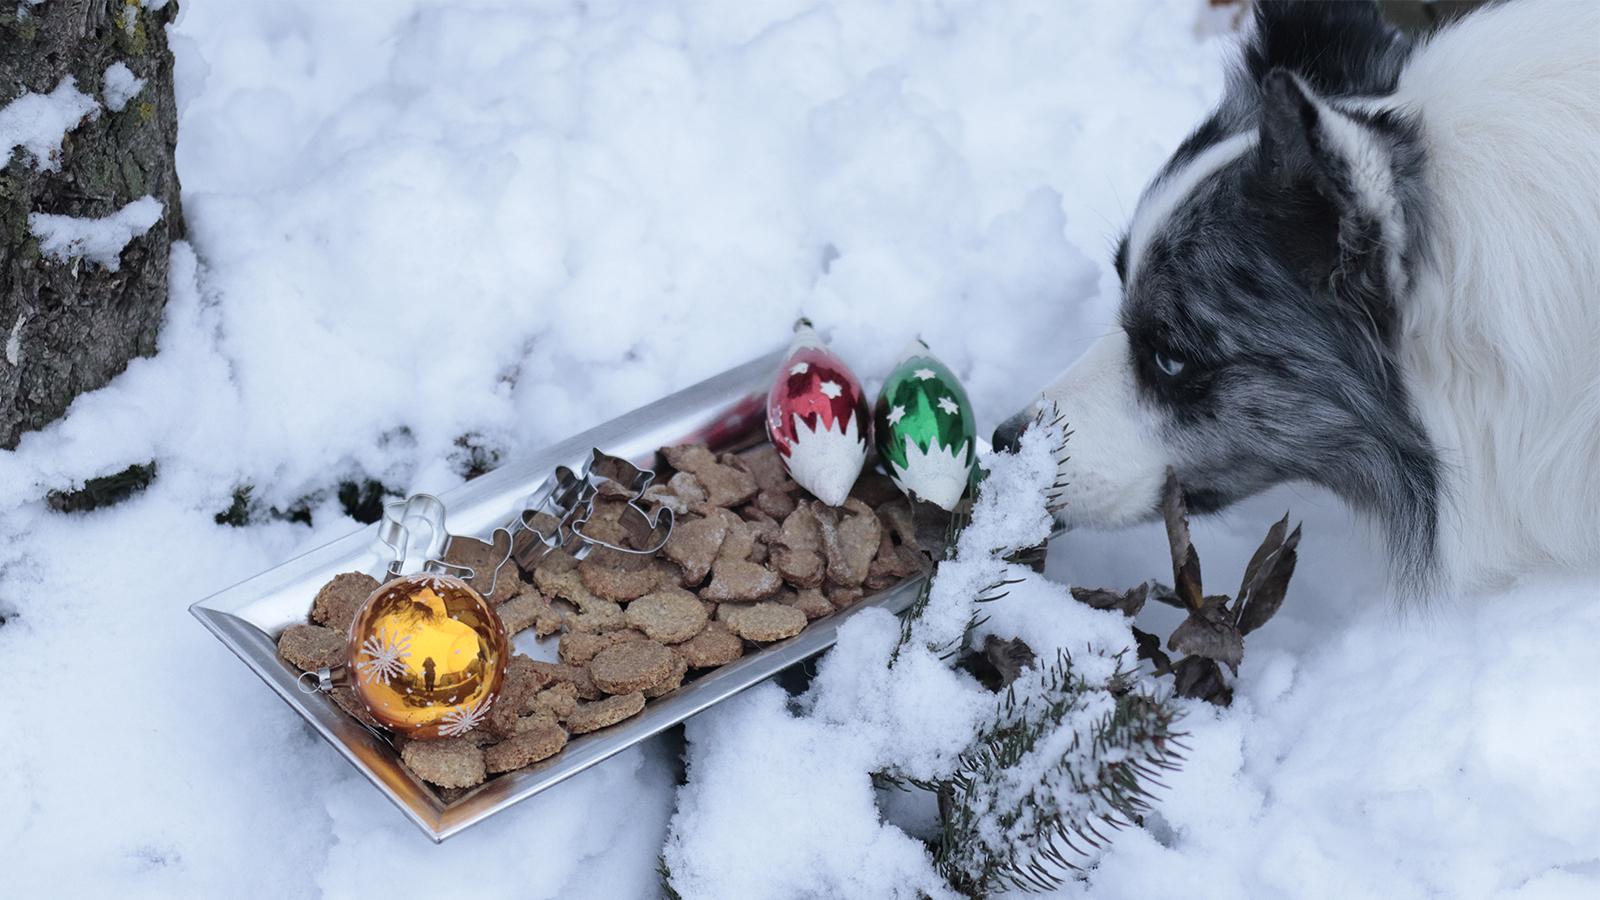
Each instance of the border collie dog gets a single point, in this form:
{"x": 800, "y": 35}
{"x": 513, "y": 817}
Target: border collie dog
{"x": 1376, "y": 268}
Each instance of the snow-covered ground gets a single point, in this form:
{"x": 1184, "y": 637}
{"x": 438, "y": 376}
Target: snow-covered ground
{"x": 413, "y": 221}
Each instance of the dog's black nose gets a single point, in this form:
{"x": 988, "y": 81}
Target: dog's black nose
{"x": 1008, "y": 436}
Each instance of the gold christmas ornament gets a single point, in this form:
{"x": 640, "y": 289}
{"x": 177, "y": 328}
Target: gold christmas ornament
{"x": 427, "y": 654}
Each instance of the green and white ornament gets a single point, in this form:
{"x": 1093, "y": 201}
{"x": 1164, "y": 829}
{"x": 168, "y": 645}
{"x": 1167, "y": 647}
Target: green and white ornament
{"x": 925, "y": 430}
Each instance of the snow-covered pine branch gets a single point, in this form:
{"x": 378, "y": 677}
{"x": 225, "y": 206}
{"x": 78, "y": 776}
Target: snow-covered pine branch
{"x": 1067, "y": 759}
{"x": 1071, "y": 751}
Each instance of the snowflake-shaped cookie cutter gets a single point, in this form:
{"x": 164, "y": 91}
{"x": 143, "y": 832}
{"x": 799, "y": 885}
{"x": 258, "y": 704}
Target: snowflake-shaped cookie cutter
{"x": 556, "y": 513}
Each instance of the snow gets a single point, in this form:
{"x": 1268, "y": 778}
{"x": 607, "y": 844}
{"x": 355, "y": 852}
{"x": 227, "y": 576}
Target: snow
{"x": 418, "y": 220}
{"x": 121, "y": 85}
{"x": 97, "y": 240}
{"x": 863, "y": 715}
{"x": 38, "y": 122}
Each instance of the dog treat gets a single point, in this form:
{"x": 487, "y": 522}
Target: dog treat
{"x": 674, "y": 679}
{"x": 874, "y": 489}
{"x": 668, "y": 615}
{"x": 751, "y": 557}
{"x": 312, "y": 647}
{"x": 797, "y": 551}
{"x": 849, "y": 541}
{"x": 691, "y": 458}
{"x": 449, "y": 763}
{"x": 556, "y": 701}
{"x": 529, "y": 609}
{"x": 590, "y": 613}
{"x": 522, "y": 682}
{"x": 726, "y": 486}
{"x": 483, "y": 558}
{"x": 617, "y": 576}
{"x": 895, "y": 560}
{"x": 687, "y": 487}
{"x": 776, "y": 504}
{"x": 662, "y": 495}
{"x": 606, "y": 521}
{"x": 766, "y": 466}
{"x": 339, "y": 600}
{"x": 542, "y": 740}
{"x": 809, "y": 601}
{"x": 694, "y": 545}
{"x": 764, "y": 528}
{"x": 631, "y": 666}
{"x": 346, "y": 699}
{"x": 539, "y": 674}
{"x": 714, "y": 646}
{"x": 740, "y": 539}
{"x": 577, "y": 676}
{"x": 842, "y": 596}
{"x": 589, "y": 717}
{"x": 741, "y": 581}
{"x": 762, "y": 622}
{"x": 577, "y": 648}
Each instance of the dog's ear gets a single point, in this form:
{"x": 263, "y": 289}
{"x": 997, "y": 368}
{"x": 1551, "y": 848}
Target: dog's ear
{"x": 1345, "y": 47}
{"x": 1307, "y": 145}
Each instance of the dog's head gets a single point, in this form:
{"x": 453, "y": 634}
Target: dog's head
{"x": 1261, "y": 276}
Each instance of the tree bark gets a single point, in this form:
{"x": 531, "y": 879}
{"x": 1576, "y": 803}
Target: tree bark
{"x": 71, "y": 325}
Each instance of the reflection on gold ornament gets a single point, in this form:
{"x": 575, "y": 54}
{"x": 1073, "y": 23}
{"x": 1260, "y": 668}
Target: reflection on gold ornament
{"x": 427, "y": 654}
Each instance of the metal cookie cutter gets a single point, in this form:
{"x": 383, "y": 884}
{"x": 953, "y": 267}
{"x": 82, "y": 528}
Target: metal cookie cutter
{"x": 556, "y": 513}
{"x": 402, "y": 528}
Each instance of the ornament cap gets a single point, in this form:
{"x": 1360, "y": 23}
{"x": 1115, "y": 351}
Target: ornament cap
{"x": 805, "y": 336}
{"x": 917, "y": 347}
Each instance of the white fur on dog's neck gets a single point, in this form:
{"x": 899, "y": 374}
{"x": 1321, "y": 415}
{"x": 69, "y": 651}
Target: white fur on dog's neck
{"x": 1500, "y": 335}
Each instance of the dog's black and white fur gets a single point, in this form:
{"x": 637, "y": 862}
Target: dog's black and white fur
{"x": 1376, "y": 267}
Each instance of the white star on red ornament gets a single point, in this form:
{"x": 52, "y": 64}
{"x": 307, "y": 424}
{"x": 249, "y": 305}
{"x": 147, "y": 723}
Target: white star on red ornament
{"x": 830, "y": 389}
{"x": 896, "y": 414}
{"x": 799, "y": 368}
{"x": 948, "y": 405}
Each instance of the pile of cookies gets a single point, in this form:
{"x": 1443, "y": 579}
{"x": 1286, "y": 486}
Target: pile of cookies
{"x": 752, "y": 558}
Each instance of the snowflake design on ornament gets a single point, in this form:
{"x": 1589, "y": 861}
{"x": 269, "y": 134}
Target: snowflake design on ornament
{"x": 830, "y": 389}
{"x": 949, "y": 405}
{"x": 434, "y": 582}
{"x": 385, "y": 655}
{"x": 923, "y": 374}
{"x": 799, "y": 368}
{"x": 457, "y": 722}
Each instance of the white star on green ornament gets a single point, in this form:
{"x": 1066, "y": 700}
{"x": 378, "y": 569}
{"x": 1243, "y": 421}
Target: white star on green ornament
{"x": 923, "y": 374}
{"x": 896, "y": 414}
{"x": 948, "y": 405}
{"x": 830, "y": 389}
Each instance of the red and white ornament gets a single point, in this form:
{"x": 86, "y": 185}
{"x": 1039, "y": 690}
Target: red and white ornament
{"x": 817, "y": 418}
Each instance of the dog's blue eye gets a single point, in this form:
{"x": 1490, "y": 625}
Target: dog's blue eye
{"x": 1170, "y": 366}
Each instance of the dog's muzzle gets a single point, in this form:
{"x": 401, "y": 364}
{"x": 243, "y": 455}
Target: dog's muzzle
{"x": 1008, "y": 436}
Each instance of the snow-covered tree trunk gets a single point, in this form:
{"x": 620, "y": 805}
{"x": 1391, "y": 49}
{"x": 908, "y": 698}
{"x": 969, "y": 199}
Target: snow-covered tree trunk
{"x": 88, "y": 197}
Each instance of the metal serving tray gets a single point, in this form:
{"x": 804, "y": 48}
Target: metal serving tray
{"x": 725, "y": 411}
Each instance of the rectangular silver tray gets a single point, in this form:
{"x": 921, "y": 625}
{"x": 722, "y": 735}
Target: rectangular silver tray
{"x": 725, "y": 411}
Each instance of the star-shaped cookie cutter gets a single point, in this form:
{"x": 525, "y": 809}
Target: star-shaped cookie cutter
{"x": 556, "y": 513}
